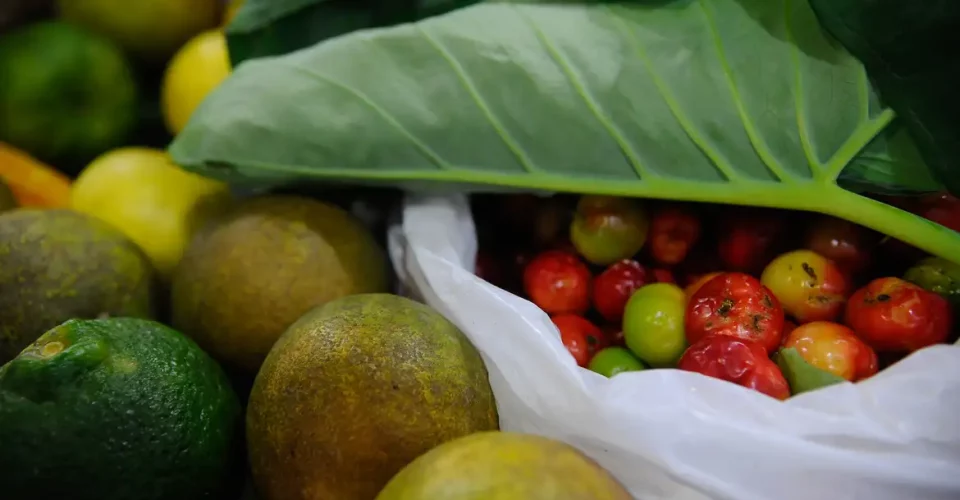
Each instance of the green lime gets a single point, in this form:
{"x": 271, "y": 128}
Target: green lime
{"x": 614, "y": 360}
{"x": 653, "y": 324}
{"x": 67, "y": 94}
{"x": 117, "y": 408}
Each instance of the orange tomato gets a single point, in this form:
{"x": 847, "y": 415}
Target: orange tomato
{"x": 34, "y": 184}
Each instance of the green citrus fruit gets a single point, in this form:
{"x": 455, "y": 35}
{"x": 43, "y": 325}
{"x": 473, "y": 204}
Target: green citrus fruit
{"x": 66, "y": 94}
{"x": 114, "y": 409}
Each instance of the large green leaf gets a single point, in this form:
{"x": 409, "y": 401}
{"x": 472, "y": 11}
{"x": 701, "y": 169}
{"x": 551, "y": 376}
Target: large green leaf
{"x": 274, "y": 27}
{"x": 735, "y": 101}
{"x": 910, "y": 51}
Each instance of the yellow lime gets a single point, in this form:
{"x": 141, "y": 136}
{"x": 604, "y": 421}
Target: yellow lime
{"x": 154, "y": 202}
{"x": 149, "y": 29}
{"x": 193, "y": 73}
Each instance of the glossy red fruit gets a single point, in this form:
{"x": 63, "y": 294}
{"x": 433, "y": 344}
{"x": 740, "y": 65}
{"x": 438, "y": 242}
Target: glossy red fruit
{"x": 736, "y": 360}
{"x": 834, "y": 348}
{"x": 747, "y": 239}
{"x": 848, "y": 245}
{"x": 582, "y": 338}
{"x": 674, "y": 230}
{"x": 891, "y": 314}
{"x": 558, "y": 282}
{"x": 661, "y": 275}
{"x": 613, "y": 287}
{"x": 735, "y": 305}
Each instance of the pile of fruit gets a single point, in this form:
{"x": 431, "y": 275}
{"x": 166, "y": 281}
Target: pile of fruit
{"x": 778, "y": 301}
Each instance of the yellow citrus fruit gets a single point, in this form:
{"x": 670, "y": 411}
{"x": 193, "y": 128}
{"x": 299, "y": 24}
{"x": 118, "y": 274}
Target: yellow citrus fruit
{"x": 150, "y": 29}
{"x": 154, "y": 202}
{"x": 198, "y": 68}
{"x": 232, "y": 8}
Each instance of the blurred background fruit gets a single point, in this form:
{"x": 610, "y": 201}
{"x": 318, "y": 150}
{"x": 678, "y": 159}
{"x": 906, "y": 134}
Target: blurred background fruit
{"x": 34, "y": 184}
{"x": 151, "y": 30}
{"x": 195, "y": 70}
{"x": 67, "y": 94}
{"x": 57, "y": 265}
{"x": 155, "y": 203}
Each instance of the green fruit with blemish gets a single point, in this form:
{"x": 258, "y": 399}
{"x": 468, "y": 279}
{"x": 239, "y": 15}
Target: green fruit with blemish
{"x": 57, "y": 265}
{"x": 117, "y": 409}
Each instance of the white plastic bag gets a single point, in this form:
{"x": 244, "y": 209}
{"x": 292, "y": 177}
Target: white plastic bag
{"x": 679, "y": 435}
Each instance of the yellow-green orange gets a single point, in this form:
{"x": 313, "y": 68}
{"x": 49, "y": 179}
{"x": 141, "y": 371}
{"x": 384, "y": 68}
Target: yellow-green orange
{"x": 117, "y": 409}
{"x": 357, "y": 389}
{"x": 57, "y": 265}
{"x": 154, "y": 202}
{"x": 248, "y": 276}
{"x": 504, "y": 466}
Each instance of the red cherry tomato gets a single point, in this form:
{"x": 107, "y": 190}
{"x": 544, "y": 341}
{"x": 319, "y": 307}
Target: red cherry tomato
{"x": 661, "y": 275}
{"x": 673, "y": 232}
{"x": 834, "y": 348}
{"x": 747, "y": 239}
{"x": 891, "y": 314}
{"x": 736, "y": 360}
{"x": 735, "y": 305}
{"x": 581, "y": 337}
{"x": 848, "y": 245}
{"x": 613, "y": 287}
{"x": 558, "y": 282}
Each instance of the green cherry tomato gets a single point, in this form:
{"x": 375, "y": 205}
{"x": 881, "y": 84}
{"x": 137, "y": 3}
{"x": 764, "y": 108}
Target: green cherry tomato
{"x": 614, "y": 360}
{"x": 653, "y": 324}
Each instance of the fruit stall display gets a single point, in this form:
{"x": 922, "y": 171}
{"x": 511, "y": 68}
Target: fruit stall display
{"x": 289, "y": 249}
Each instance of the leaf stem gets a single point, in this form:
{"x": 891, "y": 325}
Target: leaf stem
{"x": 852, "y": 147}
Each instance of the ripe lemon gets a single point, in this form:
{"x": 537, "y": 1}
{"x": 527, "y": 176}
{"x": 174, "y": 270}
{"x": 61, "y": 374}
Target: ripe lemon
{"x": 154, "y": 202}
{"x": 194, "y": 72}
{"x": 150, "y": 29}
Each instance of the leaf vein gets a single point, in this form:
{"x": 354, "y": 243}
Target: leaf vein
{"x": 799, "y": 109}
{"x": 387, "y": 117}
{"x": 588, "y": 100}
{"x": 759, "y": 145}
{"x": 729, "y": 172}
{"x": 481, "y": 103}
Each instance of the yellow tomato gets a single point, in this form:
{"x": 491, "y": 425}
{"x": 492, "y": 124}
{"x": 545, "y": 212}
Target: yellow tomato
{"x": 154, "y": 202}
{"x": 809, "y": 286}
{"x": 198, "y": 68}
